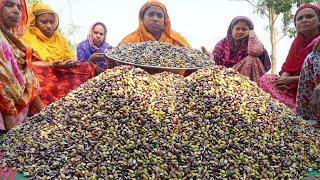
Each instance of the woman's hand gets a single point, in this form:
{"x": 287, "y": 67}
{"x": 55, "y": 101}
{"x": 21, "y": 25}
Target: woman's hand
{"x": 204, "y": 51}
{"x": 99, "y": 70}
{"x": 95, "y": 57}
{"x": 38, "y": 103}
{"x": 251, "y": 33}
{"x": 282, "y": 82}
{"x": 42, "y": 63}
{"x": 72, "y": 63}
{"x": 57, "y": 64}
{"x": 65, "y": 64}
{"x": 9, "y": 121}
{"x": 315, "y": 101}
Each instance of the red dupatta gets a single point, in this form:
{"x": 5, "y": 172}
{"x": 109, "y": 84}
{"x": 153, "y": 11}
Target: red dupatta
{"x": 298, "y": 50}
{"x": 297, "y": 54}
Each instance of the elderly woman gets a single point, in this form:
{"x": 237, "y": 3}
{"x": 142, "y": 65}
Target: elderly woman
{"x": 92, "y": 48}
{"x": 154, "y": 25}
{"x": 42, "y": 35}
{"x": 284, "y": 87}
{"x": 242, "y": 50}
{"x": 18, "y": 84}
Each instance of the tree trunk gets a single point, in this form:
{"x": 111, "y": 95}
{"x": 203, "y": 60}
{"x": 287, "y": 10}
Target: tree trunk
{"x": 273, "y": 40}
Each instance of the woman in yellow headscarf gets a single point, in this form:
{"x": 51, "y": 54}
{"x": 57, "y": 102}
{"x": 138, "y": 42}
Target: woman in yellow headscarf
{"x": 54, "y": 62}
{"x": 42, "y": 35}
{"x": 154, "y": 25}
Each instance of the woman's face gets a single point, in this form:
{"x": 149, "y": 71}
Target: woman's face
{"x": 11, "y": 13}
{"x": 240, "y": 31}
{"x": 153, "y": 20}
{"x": 46, "y": 24}
{"x": 307, "y": 21}
{"x": 98, "y": 34}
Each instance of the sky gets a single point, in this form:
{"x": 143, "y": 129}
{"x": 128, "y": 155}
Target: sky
{"x": 201, "y": 22}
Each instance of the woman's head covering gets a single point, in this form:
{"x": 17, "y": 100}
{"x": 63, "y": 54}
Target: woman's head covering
{"x": 86, "y": 48}
{"x": 90, "y": 38}
{"x": 298, "y": 50}
{"x": 314, "y": 7}
{"x": 223, "y": 50}
{"x": 168, "y": 36}
{"x": 45, "y": 48}
{"x": 146, "y": 6}
{"x": 17, "y": 31}
{"x": 38, "y": 9}
{"x": 239, "y": 19}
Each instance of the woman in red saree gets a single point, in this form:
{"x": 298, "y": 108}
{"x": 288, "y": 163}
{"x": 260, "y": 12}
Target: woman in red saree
{"x": 284, "y": 86}
{"x": 54, "y": 62}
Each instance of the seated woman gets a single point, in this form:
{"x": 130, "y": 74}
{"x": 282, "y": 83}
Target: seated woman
{"x": 284, "y": 87}
{"x": 308, "y": 97}
{"x": 154, "y": 25}
{"x": 242, "y": 50}
{"x": 53, "y": 62}
{"x": 94, "y": 46}
{"x": 18, "y": 84}
{"x": 47, "y": 43}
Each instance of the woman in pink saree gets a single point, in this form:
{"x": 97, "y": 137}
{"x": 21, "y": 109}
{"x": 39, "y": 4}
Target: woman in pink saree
{"x": 242, "y": 50}
{"x": 284, "y": 86}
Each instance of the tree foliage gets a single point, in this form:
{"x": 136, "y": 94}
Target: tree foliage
{"x": 30, "y": 2}
{"x": 281, "y": 7}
